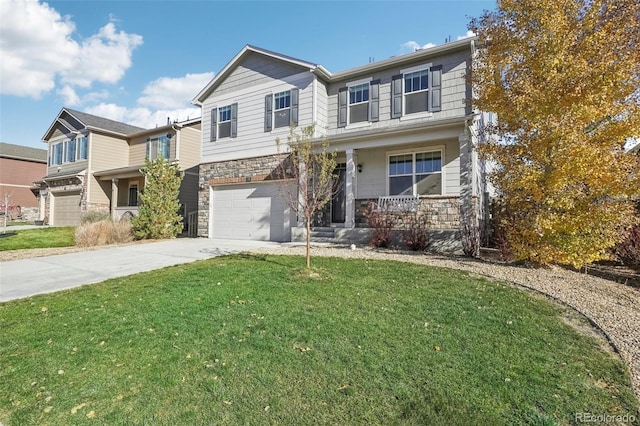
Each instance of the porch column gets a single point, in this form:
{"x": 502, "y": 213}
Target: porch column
{"x": 469, "y": 223}
{"x": 350, "y": 196}
{"x": 114, "y": 197}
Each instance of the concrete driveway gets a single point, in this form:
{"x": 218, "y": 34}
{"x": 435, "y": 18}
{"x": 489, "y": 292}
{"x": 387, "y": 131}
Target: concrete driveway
{"x": 28, "y": 277}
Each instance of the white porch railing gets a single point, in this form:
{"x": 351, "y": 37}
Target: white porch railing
{"x": 398, "y": 203}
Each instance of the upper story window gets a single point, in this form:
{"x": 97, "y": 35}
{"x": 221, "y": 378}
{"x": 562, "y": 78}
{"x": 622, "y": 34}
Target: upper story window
{"x": 416, "y": 173}
{"x": 224, "y": 122}
{"x": 281, "y": 109}
{"x": 359, "y": 102}
{"x": 68, "y": 151}
{"x": 416, "y": 90}
{"x": 83, "y": 145}
{"x": 159, "y": 147}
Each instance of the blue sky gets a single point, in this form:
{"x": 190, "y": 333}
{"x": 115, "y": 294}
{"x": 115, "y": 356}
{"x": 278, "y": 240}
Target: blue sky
{"x": 143, "y": 61}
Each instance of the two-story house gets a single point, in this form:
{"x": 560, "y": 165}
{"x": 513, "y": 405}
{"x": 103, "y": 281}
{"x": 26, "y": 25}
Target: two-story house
{"x": 403, "y": 128}
{"x": 94, "y": 165}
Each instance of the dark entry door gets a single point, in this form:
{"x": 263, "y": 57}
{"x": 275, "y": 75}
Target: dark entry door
{"x": 338, "y": 200}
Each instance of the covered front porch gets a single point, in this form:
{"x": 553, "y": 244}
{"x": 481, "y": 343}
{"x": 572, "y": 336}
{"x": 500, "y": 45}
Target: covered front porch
{"x": 429, "y": 178}
{"x": 125, "y": 184}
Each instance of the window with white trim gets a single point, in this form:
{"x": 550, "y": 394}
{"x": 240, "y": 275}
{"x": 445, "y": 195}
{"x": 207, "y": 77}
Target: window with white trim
{"x": 282, "y": 109}
{"x": 416, "y": 90}
{"x": 416, "y": 173}
{"x": 83, "y": 144}
{"x": 68, "y": 151}
{"x": 359, "y": 103}
{"x": 159, "y": 147}
{"x": 224, "y": 122}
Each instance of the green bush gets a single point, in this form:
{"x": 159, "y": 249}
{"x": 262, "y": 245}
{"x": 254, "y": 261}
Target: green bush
{"x": 158, "y": 216}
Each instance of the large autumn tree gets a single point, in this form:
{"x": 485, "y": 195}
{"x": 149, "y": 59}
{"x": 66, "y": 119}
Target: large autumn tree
{"x": 563, "y": 77}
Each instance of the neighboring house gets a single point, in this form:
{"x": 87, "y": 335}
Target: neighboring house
{"x": 403, "y": 129}
{"x": 20, "y": 166}
{"x": 94, "y": 165}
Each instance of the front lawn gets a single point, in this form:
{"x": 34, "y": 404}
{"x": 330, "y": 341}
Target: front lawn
{"x": 38, "y": 238}
{"x": 252, "y": 340}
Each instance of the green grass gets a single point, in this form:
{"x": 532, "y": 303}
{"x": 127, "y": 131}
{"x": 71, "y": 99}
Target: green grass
{"x": 251, "y": 340}
{"x": 38, "y": 238}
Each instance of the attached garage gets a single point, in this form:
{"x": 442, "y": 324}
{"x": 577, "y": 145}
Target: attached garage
{"x": 250, "y": 212}
{"x": 66, "y": 209}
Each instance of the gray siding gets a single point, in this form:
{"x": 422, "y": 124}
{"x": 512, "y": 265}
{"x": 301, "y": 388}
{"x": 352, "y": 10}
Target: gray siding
{"x": 256, "y": 70}
{"x": 252, "y": 140}
{"x": 372, "y": 182}
{"x": 454, "y": 93}
{"x": 322, "y": 122}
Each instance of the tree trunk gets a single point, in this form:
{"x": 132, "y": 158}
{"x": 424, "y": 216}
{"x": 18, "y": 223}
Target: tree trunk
{"x": 308, "y": 242}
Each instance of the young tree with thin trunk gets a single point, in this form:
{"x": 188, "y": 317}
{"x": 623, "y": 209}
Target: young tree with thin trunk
{"x": 564, "y": 79}
{"x": 312, "y": 167}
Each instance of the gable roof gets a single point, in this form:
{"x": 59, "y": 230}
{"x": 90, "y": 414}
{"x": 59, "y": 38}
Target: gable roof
{"x": 247, "y": 50}
{"x": 19, "y": 152}
{"x": 90, "y": 122}
{"x": 322, "y": 72}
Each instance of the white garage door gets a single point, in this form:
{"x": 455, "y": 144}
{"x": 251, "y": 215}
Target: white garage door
{"x": 66, "y": 209}
{"x": 250, "y": 212}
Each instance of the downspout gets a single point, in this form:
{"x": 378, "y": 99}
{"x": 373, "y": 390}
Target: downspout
{"x": 314, "y": 106}
{"x": 177, "y": 130}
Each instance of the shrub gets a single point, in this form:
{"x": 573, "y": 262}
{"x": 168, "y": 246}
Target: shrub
{"x": 380, "y": 224}
{"x": 158, "y": 214}
{"x": 416, "y": 234}
{"x": 627, "y": 250}
{"x": 103, "y": 233}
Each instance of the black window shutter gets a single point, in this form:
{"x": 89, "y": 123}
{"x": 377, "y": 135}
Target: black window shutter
{"x": 234, "y": 120}
{"x": 268, "y": 112}
{"x": 396, "y": 96}
{"x": 293, "y": 116}
{"x": 436, "y": 88}
{"x": 214, "y": 124}
{"x": 342, "y": 107}
{"x": 374, "y": 100}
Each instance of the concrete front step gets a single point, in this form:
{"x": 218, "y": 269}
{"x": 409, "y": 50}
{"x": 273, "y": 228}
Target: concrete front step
{"x": 323, "y": 234}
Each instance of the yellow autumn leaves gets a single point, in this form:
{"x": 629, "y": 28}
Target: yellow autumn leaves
{"x": 563, "y": 78}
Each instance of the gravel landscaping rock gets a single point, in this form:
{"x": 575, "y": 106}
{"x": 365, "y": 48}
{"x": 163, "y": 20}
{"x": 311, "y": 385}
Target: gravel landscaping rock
{"x": 611, "y": 306}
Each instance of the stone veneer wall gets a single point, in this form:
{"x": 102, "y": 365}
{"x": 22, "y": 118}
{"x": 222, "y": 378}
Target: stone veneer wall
{"x": 246, "y": 170}
{"x": 442, "y": 212}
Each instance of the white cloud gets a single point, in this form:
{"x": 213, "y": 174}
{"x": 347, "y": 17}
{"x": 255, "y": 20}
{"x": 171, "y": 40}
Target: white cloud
{"x": 103, "y": 57}
{"x": 468, "y": 34}
{"x": 141, "y": 116}
{"x": 69, "y": 96}
{"x": 412, "y": 46}
{"x": 37, "y": 47}
{"x": 173, "y": 93}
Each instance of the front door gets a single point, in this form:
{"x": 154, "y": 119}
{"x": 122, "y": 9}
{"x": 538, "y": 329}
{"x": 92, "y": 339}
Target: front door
{"x": 338, "y": 199}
